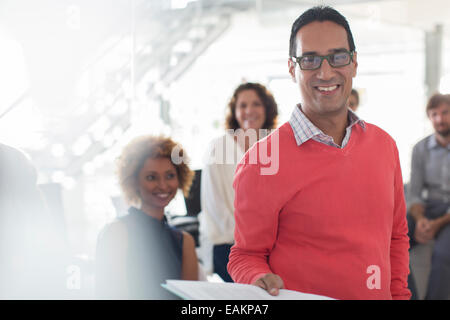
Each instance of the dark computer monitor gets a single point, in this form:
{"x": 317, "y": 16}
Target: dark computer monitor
{"x": 192, "y": 201}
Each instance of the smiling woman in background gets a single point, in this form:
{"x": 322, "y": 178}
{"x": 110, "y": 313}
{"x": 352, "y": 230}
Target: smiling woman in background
{"x": 251, "y": 108}
{"x": 138, "y": 252}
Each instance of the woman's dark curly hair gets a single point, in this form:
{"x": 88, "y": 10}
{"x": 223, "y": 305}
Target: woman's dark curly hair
{"x": 267, "y": 100}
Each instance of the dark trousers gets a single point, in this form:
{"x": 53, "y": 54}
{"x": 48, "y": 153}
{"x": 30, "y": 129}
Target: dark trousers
{"x": 220, "y": 260}
{"x": 439, "y": 279}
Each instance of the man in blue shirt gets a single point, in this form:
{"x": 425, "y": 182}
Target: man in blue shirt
{"x": 429, "y": 195}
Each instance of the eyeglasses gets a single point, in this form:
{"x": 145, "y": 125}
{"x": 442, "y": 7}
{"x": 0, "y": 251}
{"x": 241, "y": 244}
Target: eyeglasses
{"x": 336, "y": 60}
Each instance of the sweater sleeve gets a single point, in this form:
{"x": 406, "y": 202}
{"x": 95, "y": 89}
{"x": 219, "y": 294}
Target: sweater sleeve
{"x": 399, "y": 240}
{"x": 256, "y": 218}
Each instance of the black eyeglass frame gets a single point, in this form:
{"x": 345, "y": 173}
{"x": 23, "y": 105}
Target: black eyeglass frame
{"x": 298, "y": 59}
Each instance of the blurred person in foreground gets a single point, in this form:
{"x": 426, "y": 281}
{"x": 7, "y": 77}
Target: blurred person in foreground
{"x": 353, "y": 100}
{"x": 332, "y": 219}
{"x": 138, "y": 252}
{"x": 429, "y": 195}
{"x": 252, "y": 107}
{"x": 31, "y": 255}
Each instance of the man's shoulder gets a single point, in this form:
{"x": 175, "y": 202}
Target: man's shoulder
{"x": 420, "y": 148}
{"x": 378, "y": 132}
{"x": 378, "y": 140}
{"x": 280, "y": 136}
{"x": 422, "y": 142}
{"x": 264, "y": 157}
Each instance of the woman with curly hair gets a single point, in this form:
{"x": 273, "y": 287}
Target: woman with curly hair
{"x": 138, "y": 252}
{"x": 251, "y": 108}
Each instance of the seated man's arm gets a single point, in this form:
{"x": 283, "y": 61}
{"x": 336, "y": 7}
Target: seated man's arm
{"x": 417, "y": 183}
{"x": 417, "y": 211}
{"x": 416, "y": 203}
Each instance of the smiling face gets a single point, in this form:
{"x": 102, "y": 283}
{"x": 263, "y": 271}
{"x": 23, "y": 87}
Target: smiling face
{"x": 326, "y": 89}
{"x": 157, "y": 184}
{"x": 250, "y": 111}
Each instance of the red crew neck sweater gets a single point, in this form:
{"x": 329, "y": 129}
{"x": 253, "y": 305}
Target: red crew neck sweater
{"x": 330, "y": 221}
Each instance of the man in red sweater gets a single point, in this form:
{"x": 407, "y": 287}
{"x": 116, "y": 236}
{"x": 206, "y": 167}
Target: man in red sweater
{"x": 332, "y": 219}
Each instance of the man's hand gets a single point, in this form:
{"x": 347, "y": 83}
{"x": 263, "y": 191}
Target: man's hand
{"x": 433, "y": 229}
{"x": 422, "y": 232}
{"x": 270, "y": 282}
{"x": 427, "y": 230}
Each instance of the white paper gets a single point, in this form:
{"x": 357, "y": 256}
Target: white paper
{"x": 204, "y": 290}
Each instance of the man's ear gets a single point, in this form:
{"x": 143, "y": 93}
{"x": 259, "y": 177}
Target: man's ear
{"x": 291, "y": 66}
{"x": 355, "y": 61}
